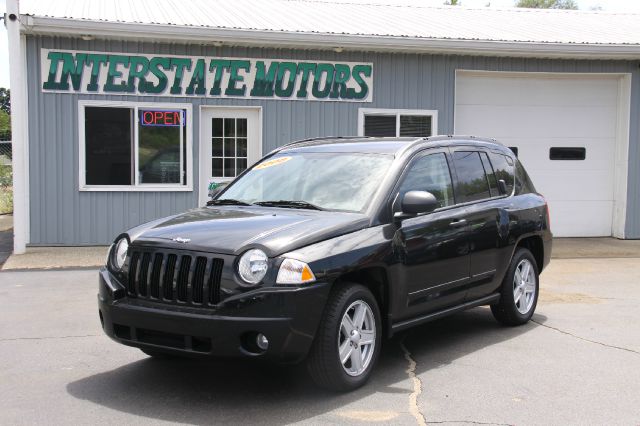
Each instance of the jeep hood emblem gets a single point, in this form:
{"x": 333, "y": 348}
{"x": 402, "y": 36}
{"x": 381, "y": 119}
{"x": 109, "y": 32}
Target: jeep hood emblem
{"x": 181, "y": 240}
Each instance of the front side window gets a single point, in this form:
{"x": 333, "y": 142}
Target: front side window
{"x": 331, "y": 181}
{"x": 430, "y": 173}
{"x": 472, "y": 180}
{"x": 135, "y": 146}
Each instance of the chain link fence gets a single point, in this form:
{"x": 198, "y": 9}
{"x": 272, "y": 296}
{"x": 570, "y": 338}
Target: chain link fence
{"x": 5, "y": 152}
{"x": 6, "y": 178}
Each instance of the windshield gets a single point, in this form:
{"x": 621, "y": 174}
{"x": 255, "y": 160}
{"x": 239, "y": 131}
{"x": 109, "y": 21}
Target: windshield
{"x": 331, "y": 181}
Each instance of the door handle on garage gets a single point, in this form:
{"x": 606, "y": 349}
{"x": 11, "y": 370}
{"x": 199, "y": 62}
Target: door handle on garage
{"x": 458, "y": 223}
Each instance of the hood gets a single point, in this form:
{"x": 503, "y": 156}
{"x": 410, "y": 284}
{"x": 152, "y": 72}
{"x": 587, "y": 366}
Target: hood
{"x": 234, "y": 229}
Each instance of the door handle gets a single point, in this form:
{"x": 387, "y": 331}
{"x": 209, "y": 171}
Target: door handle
{"x": 458, "y": 223}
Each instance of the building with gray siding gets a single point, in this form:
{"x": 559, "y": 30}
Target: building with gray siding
{"x": 125, "y": 121}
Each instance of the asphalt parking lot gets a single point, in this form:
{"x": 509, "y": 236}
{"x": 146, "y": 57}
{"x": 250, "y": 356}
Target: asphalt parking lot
{"x": 578, "y": 362}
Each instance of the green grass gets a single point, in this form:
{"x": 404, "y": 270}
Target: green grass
{"x": 6, "y": 189}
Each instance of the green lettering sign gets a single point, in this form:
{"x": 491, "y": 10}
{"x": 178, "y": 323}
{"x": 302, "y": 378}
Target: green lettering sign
{"x": 179, "y": 76}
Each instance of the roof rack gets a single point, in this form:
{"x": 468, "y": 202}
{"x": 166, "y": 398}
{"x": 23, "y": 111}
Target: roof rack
{"x": 321, "y": 138}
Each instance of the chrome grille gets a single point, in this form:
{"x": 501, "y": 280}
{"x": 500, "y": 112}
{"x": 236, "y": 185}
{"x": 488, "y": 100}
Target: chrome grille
{"x": 174, "y": 277}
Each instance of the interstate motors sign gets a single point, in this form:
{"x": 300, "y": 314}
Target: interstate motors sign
{"x": 70, "y": 71}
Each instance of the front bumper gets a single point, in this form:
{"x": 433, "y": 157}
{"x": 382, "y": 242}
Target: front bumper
{"x": 288, "y": 317}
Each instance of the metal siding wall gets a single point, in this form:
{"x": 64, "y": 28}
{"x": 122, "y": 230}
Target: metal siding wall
{"x": 60, "y": 214}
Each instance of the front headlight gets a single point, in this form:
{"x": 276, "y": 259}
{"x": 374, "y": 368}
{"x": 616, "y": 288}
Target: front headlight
{"x": 120, "y": 253}
{"x": 294, "y": 272}
{"x": 253, "y": 265}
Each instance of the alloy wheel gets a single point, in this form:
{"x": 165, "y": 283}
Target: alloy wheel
{"x": 357, "y": 338}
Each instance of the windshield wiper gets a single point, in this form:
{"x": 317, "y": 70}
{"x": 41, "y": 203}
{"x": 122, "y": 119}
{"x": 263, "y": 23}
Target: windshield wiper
{"x": 289, "y": 204}
{"x": 227, "y": 202}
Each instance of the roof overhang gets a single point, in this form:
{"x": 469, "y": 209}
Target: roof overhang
{"x": 322, "y": 41}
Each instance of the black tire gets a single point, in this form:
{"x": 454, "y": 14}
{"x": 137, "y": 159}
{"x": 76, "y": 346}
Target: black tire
{"x": 323, "y": 362}
{"x": 506, "y": 310}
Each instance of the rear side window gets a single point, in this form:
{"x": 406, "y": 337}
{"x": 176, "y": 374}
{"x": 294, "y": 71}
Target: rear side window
{"x": 523, "y": 182}
{"x": 491, "y": 176}
{"x": 430, "y": 173}
{"x": 503, "y": 167}
{"x": 472, "y": 180}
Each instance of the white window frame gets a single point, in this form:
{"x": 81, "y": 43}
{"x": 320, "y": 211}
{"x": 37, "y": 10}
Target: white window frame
{"x": 136, "y": 186}
{"x": 398, "y": 112}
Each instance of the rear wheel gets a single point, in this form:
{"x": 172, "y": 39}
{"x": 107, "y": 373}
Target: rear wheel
{"x": 519, "y": 291}
{"x": 347, "y": 344}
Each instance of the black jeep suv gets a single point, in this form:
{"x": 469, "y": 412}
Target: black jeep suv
{"x": 327, "y": 246}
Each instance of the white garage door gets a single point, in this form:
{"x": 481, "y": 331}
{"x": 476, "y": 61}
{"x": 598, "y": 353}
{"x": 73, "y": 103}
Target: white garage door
{"x": 542, "y": 116}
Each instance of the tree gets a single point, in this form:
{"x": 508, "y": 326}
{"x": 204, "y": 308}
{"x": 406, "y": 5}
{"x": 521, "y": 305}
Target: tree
{"x": 452, "y": 3}
{"x": 5, "y": 100}
{"x": 5, "y": 126}
{"x": 547, "y": 4}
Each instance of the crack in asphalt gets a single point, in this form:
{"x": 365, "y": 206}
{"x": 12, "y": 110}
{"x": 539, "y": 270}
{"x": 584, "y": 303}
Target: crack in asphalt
{"x": 587, "y": 340}
{"x": 48, "y": 337}
{"x": 417, "y": 386}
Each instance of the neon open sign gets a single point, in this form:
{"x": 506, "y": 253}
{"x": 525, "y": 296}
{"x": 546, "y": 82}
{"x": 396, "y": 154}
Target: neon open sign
{"x": 161, "y": 118}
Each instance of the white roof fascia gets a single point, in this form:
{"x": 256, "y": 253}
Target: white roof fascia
{"x": 265, "y": 38}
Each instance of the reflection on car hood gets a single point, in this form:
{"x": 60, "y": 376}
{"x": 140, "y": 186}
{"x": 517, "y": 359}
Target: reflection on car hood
{"x": 233, "y": 229}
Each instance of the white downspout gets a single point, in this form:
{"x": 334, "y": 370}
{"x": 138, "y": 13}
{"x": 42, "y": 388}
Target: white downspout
{"x": 19, "y": 135}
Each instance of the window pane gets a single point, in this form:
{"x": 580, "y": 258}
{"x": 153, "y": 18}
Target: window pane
{"x": 229, "y": 126}
{"x": 242, "y": 147}
{"x": 430, "y": 173}
{"x": 503, "y": 168}
{"x": 472, "y": 182}
{"x": 241, "y": 165}
{"x": 216, "y": 167}
{"x": 108, "y": 142}
{"x": 567, "y": 153}
{"x": 493, "y": 182}
{"x": 159, "y": 147}
{"x": 216, "y": 127}
{"x": 216, "y": 147}
{"x": 242, "y": 127}
{"x": 229, "y": 148}
{"x": 380, "y": 125}
{"x": 415, "y": 125}
{"x": 229, "y": 167}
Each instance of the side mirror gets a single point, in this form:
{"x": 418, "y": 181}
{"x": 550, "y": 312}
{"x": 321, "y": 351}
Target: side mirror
{"x": 502, "y": 186}
{"x": 416, "y": 202}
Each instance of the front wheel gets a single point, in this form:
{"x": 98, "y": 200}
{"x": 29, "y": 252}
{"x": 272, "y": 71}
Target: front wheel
{"x": 519, "y": 291}
{"x": 348, "y": 341}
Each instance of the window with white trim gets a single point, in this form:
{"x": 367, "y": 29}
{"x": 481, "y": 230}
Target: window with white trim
{"x": 397, "y": 122}
{"x": 134, "y": 147}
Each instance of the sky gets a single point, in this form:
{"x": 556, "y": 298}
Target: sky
{"x": 606, "y": 5}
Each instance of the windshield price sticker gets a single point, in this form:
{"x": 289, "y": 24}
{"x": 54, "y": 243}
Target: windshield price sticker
{"x": 274, "y": 162}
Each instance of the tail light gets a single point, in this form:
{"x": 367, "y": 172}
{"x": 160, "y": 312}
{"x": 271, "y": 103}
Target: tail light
{"x": 546, "y": 206}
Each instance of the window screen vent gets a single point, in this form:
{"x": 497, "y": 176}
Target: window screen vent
{"x": 557, "y": 153}
{"x": 380, "y": 125}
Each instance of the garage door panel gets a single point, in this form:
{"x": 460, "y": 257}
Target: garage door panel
{"x": 575, "y": 218}
{"x": 537, "y": 92}
{"x": 535, "y": 152}
{"x": 504, "y": 121}
{"x": 535, "y": 113}
{"x": 595, "y": 185}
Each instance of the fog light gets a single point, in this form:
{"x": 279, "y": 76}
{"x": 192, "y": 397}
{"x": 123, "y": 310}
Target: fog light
{"x": 262, "y": 341}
